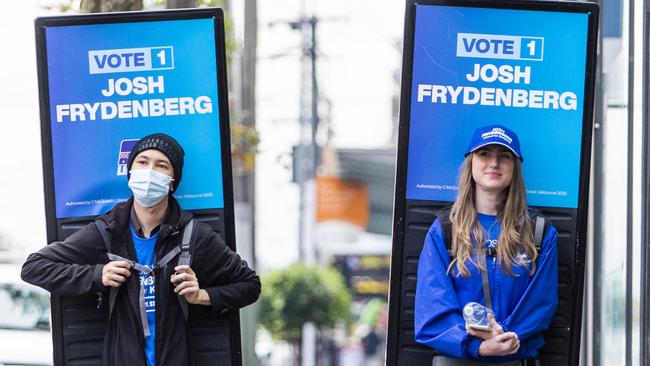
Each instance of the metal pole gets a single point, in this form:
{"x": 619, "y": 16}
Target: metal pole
{"x": 313, "y": 21}
{"x": 310, "y": 244}
{"x": 645, "y": 195}
{"x": 304, "y": 160}
{"x": 629, "y": 260}
{"x": 598, "y": 161}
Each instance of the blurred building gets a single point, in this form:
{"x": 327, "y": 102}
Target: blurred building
{"x": 615, "y": 325}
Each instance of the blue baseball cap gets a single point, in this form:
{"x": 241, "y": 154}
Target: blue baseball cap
{"x": 495, "y": 134}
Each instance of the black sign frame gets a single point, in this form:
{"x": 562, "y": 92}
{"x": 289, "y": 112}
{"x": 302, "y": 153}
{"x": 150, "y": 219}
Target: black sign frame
{"x": 412, "y": 218}
{"x": 227, "y": 327}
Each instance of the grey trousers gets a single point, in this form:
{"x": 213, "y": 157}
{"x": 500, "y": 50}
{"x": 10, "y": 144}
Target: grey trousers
{"x": 450, "y": 361}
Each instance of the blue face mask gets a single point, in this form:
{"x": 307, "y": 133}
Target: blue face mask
{"x": 149, "y": 187}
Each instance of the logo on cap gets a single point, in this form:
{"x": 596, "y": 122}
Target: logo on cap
{"x": 497, "y": 132}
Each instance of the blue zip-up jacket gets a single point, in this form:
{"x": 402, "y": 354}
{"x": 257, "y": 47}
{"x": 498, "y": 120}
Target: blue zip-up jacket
{"x": 521, "y": 303}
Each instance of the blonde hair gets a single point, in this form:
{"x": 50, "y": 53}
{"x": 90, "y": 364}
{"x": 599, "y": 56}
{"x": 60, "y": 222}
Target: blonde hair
{"x": 516, "y": 226}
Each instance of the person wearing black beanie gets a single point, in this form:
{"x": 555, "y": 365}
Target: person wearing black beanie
{"x": 146, "y": 276}
{"x": 165, "y": 144}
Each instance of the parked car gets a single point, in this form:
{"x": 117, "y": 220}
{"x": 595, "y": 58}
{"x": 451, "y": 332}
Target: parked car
{"x": 25, "y": 337}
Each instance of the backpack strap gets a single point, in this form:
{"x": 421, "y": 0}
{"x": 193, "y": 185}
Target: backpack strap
{"x": 106, "y": 238}
{"x": 166, "y": 259}
{"x": 539, "y": 231}
{"x": 103, "y": 231}
{"x": 185, "y": 258}
{"x": 445, "y": 223}
{"x": 147, "y": 271}
{"x": 541, "y": 226}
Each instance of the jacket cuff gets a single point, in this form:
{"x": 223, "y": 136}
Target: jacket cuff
{"x": 472, "y": 347}
{"x": 98, "y": 285}
{"x": 217, "y": 306}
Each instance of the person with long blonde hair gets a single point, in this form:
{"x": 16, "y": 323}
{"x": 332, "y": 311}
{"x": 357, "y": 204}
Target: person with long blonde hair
{"x": 491, "y": 258}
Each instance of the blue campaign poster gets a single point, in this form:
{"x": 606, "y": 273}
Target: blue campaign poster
{"x": 523, "y": 69}
{"x": 111, "y": 84}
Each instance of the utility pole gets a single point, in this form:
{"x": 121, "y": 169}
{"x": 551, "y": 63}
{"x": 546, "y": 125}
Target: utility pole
{"x": 306, "y": 153}
{"x": 305, "y": 160}
{"x": 308, "y": 187}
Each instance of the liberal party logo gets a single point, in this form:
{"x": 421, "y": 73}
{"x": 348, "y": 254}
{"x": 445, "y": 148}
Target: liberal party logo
{"x": 123, "y": 158}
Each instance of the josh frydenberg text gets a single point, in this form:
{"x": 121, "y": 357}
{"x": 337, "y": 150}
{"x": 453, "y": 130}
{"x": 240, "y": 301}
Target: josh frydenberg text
{"x": 132, "y": 60}
{"x": 491, "y": 46}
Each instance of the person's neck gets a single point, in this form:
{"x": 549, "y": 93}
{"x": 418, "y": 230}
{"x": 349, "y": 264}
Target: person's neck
{"x": 150, "y": 217}
{"x": 487, "y": 202}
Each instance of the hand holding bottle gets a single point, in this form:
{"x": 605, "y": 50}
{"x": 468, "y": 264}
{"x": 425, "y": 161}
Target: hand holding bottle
{"x": 495, "y": 329}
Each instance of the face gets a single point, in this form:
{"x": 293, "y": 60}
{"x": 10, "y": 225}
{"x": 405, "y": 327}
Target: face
{"x": 492, "y": 168}
{"x": 155, "y": 160}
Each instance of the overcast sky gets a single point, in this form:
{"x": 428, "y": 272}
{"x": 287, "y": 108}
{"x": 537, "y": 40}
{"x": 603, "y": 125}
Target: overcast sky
{"x": 22, "y": 217}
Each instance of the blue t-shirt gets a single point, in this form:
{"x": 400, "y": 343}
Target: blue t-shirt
{"x": 144, "y": 253}
{"x": 492, "y": 229}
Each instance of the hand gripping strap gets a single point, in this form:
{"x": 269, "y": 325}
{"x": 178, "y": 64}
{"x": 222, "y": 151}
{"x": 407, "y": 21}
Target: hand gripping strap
{"x": 106, "y": 238}
{"x": 147, "y": 271}
{"x": 188, "y": 234}
{"x": 101, "y": 226}
{"x": 184, "y": 258}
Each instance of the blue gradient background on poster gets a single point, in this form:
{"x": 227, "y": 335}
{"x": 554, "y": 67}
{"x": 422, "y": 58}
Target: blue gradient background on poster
{"x": 550, "y": 139}
{"x": 85, "y": 154}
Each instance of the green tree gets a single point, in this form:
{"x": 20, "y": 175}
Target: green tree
{"x": 302, "y": 294}
{"x": 96, "y": 6}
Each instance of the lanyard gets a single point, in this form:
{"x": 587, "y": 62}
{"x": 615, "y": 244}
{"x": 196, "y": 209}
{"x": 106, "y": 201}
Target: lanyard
{"x": 484, "y": 275}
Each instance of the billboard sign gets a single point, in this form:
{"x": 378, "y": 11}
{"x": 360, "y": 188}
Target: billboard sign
{"x": 483, "y": 66}
{"x": 108, "y": 88}
{"x": 105, "y": 81}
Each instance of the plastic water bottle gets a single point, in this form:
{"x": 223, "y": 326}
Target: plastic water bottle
{"x": 477, "y": 315}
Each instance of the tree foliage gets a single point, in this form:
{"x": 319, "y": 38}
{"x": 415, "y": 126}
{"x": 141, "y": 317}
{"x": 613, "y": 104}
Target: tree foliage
{"x": 299, "y": 294}
{"x": 96, "y": 6}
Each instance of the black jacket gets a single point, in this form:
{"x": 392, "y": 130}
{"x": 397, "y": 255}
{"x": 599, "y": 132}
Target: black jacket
{"x": 74, "y": 267}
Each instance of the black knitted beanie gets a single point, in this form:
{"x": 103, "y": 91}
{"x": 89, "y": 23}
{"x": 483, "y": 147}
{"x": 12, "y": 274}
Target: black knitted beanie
{"x": 166, "y": 145}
